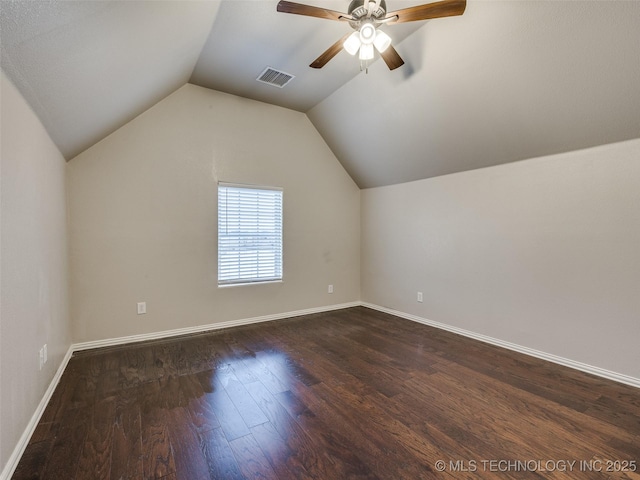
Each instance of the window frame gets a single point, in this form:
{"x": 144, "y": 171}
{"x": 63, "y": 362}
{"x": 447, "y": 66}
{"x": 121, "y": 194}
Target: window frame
{"x": 239, "y": 279}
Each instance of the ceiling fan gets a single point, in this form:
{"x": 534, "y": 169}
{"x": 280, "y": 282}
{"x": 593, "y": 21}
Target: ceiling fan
{"x": 365, "y": 16}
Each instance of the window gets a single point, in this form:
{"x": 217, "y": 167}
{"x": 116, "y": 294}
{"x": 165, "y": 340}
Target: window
{"x": 249, "y": 234}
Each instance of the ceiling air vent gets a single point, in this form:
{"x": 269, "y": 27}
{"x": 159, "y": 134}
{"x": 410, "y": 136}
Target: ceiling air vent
{"x": 275, "y": 77}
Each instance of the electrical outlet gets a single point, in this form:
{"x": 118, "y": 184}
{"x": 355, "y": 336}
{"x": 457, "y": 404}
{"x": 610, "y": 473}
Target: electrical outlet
{"x": 44, "y": 353}
{"x": 142, "y": 308}
{"x": 41, "y": 358}
{"x": 330, "y": 289}
{"x": 420, "y": 297}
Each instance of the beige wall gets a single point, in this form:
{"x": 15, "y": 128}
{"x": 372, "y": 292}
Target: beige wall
{"x": 33, "y": 249}
{"x": 143, "y": 216}
{"x": 543, "y": 253}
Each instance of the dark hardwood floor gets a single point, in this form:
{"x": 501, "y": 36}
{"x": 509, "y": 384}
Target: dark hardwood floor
{"x": 353, "y": 393}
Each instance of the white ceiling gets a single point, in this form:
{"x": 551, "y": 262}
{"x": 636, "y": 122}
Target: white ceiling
{"x": 506, "y": 81}
{"x": 248, "y": 36}
{"x": 89, "y": 67}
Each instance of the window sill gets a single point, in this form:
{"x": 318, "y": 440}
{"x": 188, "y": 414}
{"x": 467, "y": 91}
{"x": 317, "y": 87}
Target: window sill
{"x": 266, "y": 282}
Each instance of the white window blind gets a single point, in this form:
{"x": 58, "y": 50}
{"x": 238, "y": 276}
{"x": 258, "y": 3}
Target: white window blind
{"x": 249, "y": 234}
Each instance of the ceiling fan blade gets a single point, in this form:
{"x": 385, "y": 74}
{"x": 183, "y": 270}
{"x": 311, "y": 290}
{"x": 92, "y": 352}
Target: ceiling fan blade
{"x": 329, "y": 53}
{"x": 310, "y": 11}
{"x": 445, "y": 8}
{"x": 392, "y": 58}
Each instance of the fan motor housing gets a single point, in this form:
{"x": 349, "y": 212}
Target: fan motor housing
{"x": 357, "y": 9}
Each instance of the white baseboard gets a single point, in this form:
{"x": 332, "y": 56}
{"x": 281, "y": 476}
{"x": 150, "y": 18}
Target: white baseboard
{"x": 206, "y": 328}
{"x": 12, "y": 463}
{"x": 600, "y": 372}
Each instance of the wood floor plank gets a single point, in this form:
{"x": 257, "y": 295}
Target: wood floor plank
{"x": 95, "y": 459}
{"x": 202, "y": 416}
{"x": 284, "y": 366}
{"x": 541, "y": 412}
{"x": 219, "y": 456}
{"x": 282, "y": 459}
{"x": 328, "y": 364}
{"x": 158, "y": 460}
{"x": 137, "y": 366}
{"x": 126, "y": 455}
{"x": 494, "y": 434}
{"x": 190, "y": 460}
{"x": 247, "y": 407}
{"x": 301, "y": 446}
{"x": 369, "y": 374}
{"x": 266, "y": 376}
{"x": 407, "y": 443}
{"x": 353, "y": 393}
{"x": 346, "y": 463}
{"x": 232, "y": 423}
{"x": 277, "y": 415}
{"x": 251, "y": 460}
{"x": 34, "y": 460}
{"x": 65, "y": 452}
{"x": 371, "y": 445}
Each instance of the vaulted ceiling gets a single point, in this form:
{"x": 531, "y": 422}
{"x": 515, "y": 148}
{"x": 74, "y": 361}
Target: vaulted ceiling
{"x": 506, "y": 81}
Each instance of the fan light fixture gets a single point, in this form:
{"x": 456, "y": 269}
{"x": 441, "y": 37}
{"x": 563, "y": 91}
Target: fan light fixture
{"x": 352, "y": 43}
{"x": 365, "y": 16}
{"x": 382, "y": 41}
{"x": 365, "y": 39}
{"x": 367, "y": 33}
{"x": 366, "y": 51}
